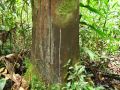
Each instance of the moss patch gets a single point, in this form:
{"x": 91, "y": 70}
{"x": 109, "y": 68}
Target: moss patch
{"x": 32, "y": 77}
{"x": 65, "y": 12}
{"x": 66, "y": 7}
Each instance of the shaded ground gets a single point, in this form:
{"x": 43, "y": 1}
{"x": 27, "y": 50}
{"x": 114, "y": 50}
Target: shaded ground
{"x": 104, "y": 73}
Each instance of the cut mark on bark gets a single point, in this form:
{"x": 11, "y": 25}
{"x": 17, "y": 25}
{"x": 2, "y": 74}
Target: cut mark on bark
{"x": 60, "y": 57}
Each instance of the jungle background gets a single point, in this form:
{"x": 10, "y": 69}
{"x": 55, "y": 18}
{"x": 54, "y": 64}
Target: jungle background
{"x": 99, "y": 41}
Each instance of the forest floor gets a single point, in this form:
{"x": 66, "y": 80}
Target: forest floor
{"x": 105, "y": 73}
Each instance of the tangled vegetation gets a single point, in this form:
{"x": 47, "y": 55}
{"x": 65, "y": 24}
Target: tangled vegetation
{"x": 99, "y": 41}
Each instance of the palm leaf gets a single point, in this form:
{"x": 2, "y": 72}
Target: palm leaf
{"x": 95, "y": 29}
{"x": 90, "y": 8}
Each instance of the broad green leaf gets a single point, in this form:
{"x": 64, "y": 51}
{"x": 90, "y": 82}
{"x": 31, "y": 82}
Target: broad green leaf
{"x": 2, "y": 6}
{"x": 2, "y": 83}
{"x": 95, "y": 29}
{"x": 90, "y": 8}
{"x": 82, "y": 69}
{"x": 114, "y": 4}
{"x": 106, "y": 2}
{"x": 88, "y": 2}
{"x": 91, "y": 54}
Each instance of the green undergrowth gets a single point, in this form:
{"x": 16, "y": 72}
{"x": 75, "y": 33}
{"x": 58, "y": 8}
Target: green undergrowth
{"x": 76, "y": 79}
{"x": 32, "y": 77}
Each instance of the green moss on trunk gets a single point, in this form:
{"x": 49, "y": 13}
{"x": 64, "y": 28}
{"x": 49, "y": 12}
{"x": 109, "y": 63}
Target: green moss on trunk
{"x": 66, "y": 7}
{"x": 65, "y": 12}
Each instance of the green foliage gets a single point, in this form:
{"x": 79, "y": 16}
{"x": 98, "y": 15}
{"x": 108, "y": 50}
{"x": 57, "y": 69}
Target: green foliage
{"x": 2, "y": 83}
{"x": 36, "y": 84}
{"x": 32, "y": 77}
{"x": 55, "y": 87}
{"x": 99, "y": 26}
{"x": 76, "y": 79}
{"x": 102, "y": 34}
{"x": 15, "y": 16}
{"x": 90, "y": 8}
{"x": 91, "y": 54}
{"x": 99, "y": 36}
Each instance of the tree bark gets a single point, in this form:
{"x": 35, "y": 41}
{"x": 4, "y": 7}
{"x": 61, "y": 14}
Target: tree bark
{"x": 55, "y": 37}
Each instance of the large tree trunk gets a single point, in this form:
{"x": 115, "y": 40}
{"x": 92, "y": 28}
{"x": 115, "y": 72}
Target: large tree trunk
{"x": 55, "y": 37}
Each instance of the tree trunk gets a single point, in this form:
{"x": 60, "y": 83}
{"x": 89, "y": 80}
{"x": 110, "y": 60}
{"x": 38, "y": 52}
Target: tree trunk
{"x": 55, "y": 37}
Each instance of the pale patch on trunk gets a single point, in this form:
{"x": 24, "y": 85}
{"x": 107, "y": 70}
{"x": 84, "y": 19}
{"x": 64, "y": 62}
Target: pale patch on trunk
{"x": 1, "y": 42}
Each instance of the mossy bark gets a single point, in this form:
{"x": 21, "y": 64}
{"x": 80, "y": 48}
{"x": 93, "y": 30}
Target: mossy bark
{"x": 55, "y": 37}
